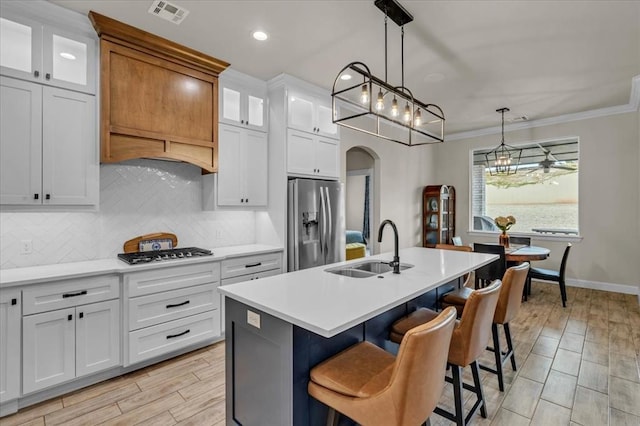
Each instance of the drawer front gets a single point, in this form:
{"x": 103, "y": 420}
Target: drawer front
{"x": 69, "y": 293}
{"x": 250, "y": 264}
{"x": 173, "y": 278}
{"x": 163, "y": 338}
{"x": 155, "y": 309}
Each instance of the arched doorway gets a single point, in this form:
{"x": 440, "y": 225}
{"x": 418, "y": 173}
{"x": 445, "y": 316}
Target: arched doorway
{"x": 361, "y": 194}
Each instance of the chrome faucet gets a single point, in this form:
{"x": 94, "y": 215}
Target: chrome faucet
{"x": 396, "y": 259}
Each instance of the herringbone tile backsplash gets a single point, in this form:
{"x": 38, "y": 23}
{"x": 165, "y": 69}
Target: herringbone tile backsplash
{"x": 136, "y": 197}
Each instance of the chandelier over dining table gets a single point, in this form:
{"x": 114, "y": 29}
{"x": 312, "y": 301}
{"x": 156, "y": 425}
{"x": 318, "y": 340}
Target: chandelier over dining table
{"x": 376, "y": 107}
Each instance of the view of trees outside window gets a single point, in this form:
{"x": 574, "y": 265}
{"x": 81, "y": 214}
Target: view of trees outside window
{"x": 541, "y": 195}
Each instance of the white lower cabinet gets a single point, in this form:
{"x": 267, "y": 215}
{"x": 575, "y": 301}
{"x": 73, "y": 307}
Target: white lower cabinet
{"x": 171, "y": 308}
{"x": 61, "y": 345}
{"x": 70, "y": 328}
{"x": 9, "y": 345}
{"x": 248, "y": 268}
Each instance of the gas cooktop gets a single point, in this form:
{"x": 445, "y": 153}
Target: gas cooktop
{"x": 160, "y": 255}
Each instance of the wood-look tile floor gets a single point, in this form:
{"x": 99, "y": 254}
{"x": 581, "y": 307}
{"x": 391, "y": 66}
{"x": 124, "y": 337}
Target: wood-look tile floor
{"x": 578, "y": 365}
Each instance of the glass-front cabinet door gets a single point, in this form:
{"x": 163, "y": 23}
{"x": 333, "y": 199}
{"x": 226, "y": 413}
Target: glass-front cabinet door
{"x": 44, "y": 54}
{"x": 20, "y": 47}
{"x": 240, "y": 105}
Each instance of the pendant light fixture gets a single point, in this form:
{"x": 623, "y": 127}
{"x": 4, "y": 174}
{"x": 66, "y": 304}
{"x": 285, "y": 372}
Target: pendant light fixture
{"x": 376, "y": 107}
{"x": 504, "y": 159}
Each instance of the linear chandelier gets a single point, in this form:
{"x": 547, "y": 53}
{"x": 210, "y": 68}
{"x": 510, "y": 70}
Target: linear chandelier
{"x": 505, "y": 158}
{"x": 373, "y": 106}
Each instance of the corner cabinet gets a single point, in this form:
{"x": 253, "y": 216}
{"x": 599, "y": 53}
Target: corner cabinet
{"x": 438, "y": 215}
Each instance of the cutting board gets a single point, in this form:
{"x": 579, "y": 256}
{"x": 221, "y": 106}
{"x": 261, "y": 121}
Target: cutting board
{"x": 133, "y": 245}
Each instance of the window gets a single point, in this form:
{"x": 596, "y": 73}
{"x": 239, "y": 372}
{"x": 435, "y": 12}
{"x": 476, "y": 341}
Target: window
{"x": 542, "y": 195}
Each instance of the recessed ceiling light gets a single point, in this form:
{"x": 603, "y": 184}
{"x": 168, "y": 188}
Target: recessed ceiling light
{"x": 260, "y": 35}
{"x": 345, "y": 77}
{"x": 67, "y": 55}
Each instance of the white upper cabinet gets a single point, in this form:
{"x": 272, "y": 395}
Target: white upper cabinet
{"x": 243, "y": 101}
{"x": 47, "y": 145}
{"x": 311, "y": 113}
{"x": 311, "y": 155}
{"x": 242, "y": 169}
{"x": 45, "y": 54}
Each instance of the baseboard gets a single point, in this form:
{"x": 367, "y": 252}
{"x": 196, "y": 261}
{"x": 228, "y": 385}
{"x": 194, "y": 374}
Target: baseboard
{"x": 597, "y": 285}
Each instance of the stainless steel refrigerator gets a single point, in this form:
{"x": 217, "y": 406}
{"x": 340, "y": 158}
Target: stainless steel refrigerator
{"x": 316, "y": 223}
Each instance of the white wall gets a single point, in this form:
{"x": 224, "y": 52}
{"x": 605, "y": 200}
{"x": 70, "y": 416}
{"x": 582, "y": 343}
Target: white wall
{"x": 608, "y": 186}
{"x": 354, "y": 203}
{"x": 136, "y": 197}
{"x": 402, "y": 173}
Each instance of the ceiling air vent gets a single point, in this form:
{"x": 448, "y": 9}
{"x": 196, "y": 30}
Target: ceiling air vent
{"x": 169, "y": 11}
{"x": 517, "y": 118}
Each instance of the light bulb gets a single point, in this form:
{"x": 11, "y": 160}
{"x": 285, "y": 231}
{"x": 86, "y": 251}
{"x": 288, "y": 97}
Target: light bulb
{"x": 417, "y": 118}
{"x": 380, "y": 102}
{"x": 407, "y": 113}
{"x": 364, "y": 96}
{"x": 394, "y": 107}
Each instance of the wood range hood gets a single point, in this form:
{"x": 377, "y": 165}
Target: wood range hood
{"x": 159, "y": 99}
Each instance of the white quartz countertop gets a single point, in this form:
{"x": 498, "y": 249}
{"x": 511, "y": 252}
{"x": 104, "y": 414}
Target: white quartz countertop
{"x": 327, "y": 303}
{"x": 44, "y": 273}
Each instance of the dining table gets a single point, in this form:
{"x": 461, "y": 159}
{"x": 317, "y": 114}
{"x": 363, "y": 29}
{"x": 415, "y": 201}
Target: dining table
{"x": 524, "y": 253}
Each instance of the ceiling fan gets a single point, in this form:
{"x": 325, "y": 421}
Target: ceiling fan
{"x": 548, "y": 163}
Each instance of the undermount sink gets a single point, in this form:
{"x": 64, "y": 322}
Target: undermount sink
{"x": 366, "y": 269}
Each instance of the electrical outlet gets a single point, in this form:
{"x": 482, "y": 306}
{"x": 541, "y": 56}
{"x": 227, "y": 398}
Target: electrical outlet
{"x": 26, "y": 247}
{"x": 253, "y": 319}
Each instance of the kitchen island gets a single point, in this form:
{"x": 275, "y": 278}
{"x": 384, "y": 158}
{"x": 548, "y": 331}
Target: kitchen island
{"x": 279, "y": 327}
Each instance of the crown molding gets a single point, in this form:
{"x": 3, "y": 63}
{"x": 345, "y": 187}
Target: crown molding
{"x": 632, "y": 106}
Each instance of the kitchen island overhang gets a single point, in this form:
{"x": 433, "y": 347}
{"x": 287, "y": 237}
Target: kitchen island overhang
{"x": 279, "y": 327}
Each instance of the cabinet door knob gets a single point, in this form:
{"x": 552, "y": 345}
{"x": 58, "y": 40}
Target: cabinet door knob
{"x": 47, "y": 76}
{"x": 36, "y": 196}
{"x": 48, "y": 196}
{"x": 69, "y": 317}
{"x": 241, "y": 121}
{"x": 36, "y": 73}
{"x": 14, "y": 301}
{"x": 246, "y": 200}
{"x": 81, "y": 315}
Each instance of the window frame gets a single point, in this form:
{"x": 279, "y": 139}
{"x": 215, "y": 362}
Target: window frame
{"x": 536, "y": 235}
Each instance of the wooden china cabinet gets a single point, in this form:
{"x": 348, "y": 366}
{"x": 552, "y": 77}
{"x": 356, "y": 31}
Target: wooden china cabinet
{"x": 438, "y": 215}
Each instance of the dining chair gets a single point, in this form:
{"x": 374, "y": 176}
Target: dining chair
{"x": 525, "y": 241}
{"x": 494, "y": 270}
{"x": 372, "y": 387}
{"x": 555, "y": 276}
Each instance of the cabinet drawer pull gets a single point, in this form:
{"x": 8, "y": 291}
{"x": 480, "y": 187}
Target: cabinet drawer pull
{"x": 14, "y": 301}
{"x": 36, "y": 196}
{"x": 80, "y": 293}
{"x": 253, "y": 265}
{"x": 171, "y": 336}
{"x": 69, "y": 317}
{"x": 48, "y": 196}
{"x": 36, "y": 73}
{"x": 186, "y": 302}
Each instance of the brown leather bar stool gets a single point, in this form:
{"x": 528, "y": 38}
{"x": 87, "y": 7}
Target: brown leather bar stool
{"x": 373, "y": 387}
{"x": 509, "y": 302}
{"x": 467, "y": 343}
